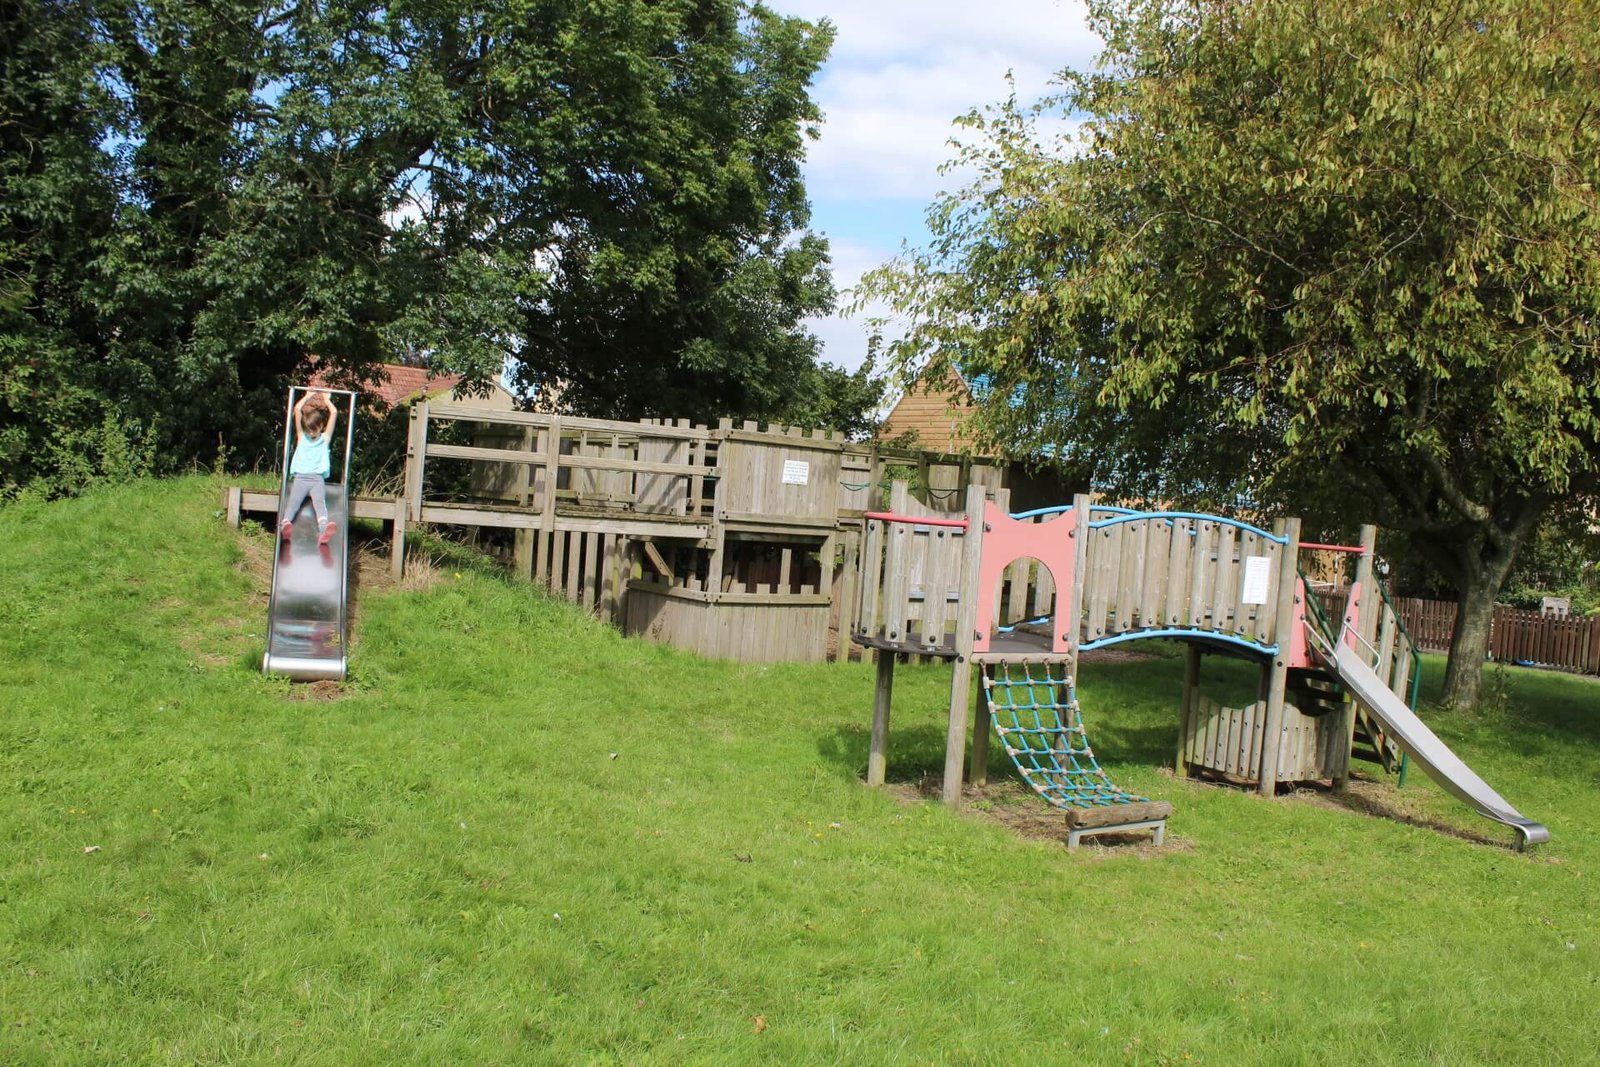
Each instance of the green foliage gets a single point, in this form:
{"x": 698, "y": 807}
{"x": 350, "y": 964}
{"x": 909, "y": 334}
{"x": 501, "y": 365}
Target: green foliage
{"x": 836, "y": 399}
{"x": 195, "y": 198}
{"x": 1300, "y": 255}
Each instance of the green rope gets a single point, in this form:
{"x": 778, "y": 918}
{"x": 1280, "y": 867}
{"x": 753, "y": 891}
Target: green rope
{"x": 1035, "y": 711}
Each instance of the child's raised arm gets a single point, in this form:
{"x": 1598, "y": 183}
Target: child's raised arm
{"x": 333, "y": 413}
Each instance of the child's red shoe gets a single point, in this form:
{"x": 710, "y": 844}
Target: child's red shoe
{"x": 285, "y": 529}
{"x": 327, "y": 533}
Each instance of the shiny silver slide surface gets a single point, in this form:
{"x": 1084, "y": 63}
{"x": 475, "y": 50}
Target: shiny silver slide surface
{"x": 306, "y": 620}
{"x": 1424, "y": 746}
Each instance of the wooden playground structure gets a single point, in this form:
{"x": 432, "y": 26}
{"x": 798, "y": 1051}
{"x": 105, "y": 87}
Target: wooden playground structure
{"x": 756, "y": 543}
{"x": 1019, "y": 597}
{"x": 738, "y": 541}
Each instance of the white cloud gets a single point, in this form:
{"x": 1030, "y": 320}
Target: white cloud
{"x": 844, "y": 337}
{"x": 1051, "y": 33}
{"x": 902, "y": 71}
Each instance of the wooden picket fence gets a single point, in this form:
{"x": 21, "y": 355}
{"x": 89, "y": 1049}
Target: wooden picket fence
{"x": 1431, "y": 623}
{"x": 1529, "y": 637}
{"x": 1515, "y": 635}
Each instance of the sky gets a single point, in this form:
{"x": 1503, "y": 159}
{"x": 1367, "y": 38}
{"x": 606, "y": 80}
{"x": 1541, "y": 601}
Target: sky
{"x": 900, "y": 72}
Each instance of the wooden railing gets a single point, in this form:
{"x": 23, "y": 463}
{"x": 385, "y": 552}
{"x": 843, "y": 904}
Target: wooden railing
{"x": 1155, "y": 572}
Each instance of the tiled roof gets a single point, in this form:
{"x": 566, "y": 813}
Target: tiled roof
{"x": 398, "y": 385}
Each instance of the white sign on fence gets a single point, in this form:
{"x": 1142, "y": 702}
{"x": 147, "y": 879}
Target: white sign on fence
{"x": 1257, "y": 577}
{"x": 796, "y": 472}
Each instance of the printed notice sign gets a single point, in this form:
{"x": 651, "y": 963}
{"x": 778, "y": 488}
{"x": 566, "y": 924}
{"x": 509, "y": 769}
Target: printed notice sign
{"x": 796, "y": 472}
{"x": 1257, "y": 577}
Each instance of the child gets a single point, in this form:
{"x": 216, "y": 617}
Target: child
{"x": 310, "y": 464}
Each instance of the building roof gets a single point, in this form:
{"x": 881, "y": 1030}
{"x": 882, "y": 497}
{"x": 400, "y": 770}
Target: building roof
{"x": 934, "y": 411}
{"x": 396, "y": 385}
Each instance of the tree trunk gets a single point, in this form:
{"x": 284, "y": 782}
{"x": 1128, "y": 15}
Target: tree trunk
{"x": 1469, "y": 645}
{"x": 1482, "y": 570}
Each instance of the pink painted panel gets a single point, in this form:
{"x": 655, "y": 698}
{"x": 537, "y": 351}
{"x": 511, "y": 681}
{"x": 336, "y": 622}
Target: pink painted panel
{"x": 1006, "y": 540}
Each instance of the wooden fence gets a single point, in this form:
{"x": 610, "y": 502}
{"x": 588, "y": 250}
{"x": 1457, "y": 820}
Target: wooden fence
{"x": 1515, "y": 634}
{"x": 1520, "y": 636}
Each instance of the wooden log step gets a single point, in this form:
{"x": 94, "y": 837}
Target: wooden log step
{"x": 1117, "y": 814}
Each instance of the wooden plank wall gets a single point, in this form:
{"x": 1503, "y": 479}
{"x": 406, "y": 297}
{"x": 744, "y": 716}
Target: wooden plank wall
{"x": 1516, "y": 634}
{"x": 859, "y": 471}
{"x": 1184, "y": 573}
{"x": 911, "y": 577}
{"x": 753, "y": 464}
{"x": 590, "y": 569}
{"x": 1228, "y": 741}
{"x": 1432, "y": 622}
{"x": 591, "y": 501}
{"x": 751, "y": 632}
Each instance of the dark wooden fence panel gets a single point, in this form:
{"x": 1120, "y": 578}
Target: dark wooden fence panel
{"x": 1430, "y": 622}
{"x": 1515, "y": 635}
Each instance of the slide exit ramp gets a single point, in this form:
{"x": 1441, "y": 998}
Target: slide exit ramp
{"x": 1420, "y": 743}
{"x": 307, "y": 615}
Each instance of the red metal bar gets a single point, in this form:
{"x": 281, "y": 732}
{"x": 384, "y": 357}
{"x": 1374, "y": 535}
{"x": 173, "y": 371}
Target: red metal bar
{"x": 1313, "y": 546}
{"x": 916, "y": 520}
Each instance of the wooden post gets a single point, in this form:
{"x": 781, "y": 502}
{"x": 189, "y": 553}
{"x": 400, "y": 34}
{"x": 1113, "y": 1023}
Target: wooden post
{"x": 878, "y": 752}
{"x": 544, "y": 557}
{"x": 524, "y": 539}
{"x": 896, "y": 563}
{"x": 416, "y": 458}
{"x": 1371, "y": 604}
{"x": 233, "y": 503}
{"x": 1191, "y": 700}
{"x": 981, "y": 717}
{"x": 955, "y": 745}
{"x": 397, "y": 540}
{"x": 1284, "y": 624}
{"x": 849, "y": 597}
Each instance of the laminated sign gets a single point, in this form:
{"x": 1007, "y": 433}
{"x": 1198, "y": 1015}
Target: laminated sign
{"x": 796, "y": 472}
{"x": 1257, "y": 577}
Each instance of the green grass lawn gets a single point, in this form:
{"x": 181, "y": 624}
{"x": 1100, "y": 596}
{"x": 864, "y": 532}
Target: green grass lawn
{"x": 515, "y": 836}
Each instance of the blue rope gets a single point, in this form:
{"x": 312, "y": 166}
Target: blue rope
{"x": 1139, "y": 516}
{"x": 1036, "y": 715}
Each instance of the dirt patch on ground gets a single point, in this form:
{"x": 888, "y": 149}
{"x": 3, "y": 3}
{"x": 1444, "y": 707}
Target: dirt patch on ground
{"x": 1020, "y": 810}
{"x": 1114, "y": 655}
{"x": 317, "y": 692}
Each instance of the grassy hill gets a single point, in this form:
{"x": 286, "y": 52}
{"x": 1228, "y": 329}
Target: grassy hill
{"x": 514, "y": 836}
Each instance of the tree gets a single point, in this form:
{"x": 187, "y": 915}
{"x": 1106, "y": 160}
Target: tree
{"x": 1337, "y": 257}
{"x": 56, "y": 202}
{"x": 604, "y": 193}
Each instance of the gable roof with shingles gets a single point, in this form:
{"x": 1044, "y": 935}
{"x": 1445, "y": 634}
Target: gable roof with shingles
{"x": 396, "y": 384}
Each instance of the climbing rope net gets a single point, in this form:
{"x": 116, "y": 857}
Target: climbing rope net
{"x": 1035, "y": 711}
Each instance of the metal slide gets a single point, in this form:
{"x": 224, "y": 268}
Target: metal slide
{"x": 306, "y": 620}
{"x": 1414, "y": 738}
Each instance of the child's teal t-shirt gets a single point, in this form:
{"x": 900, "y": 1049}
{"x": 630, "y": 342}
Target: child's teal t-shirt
{"x": 311, "y": 456}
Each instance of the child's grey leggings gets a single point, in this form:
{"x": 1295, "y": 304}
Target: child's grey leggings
{"x": 305, "y": 485}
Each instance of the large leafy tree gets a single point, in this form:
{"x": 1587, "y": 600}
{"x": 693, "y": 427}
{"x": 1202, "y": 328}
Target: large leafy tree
{"x": 1338, "y": 257}
{"x": 199, "y": 196}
